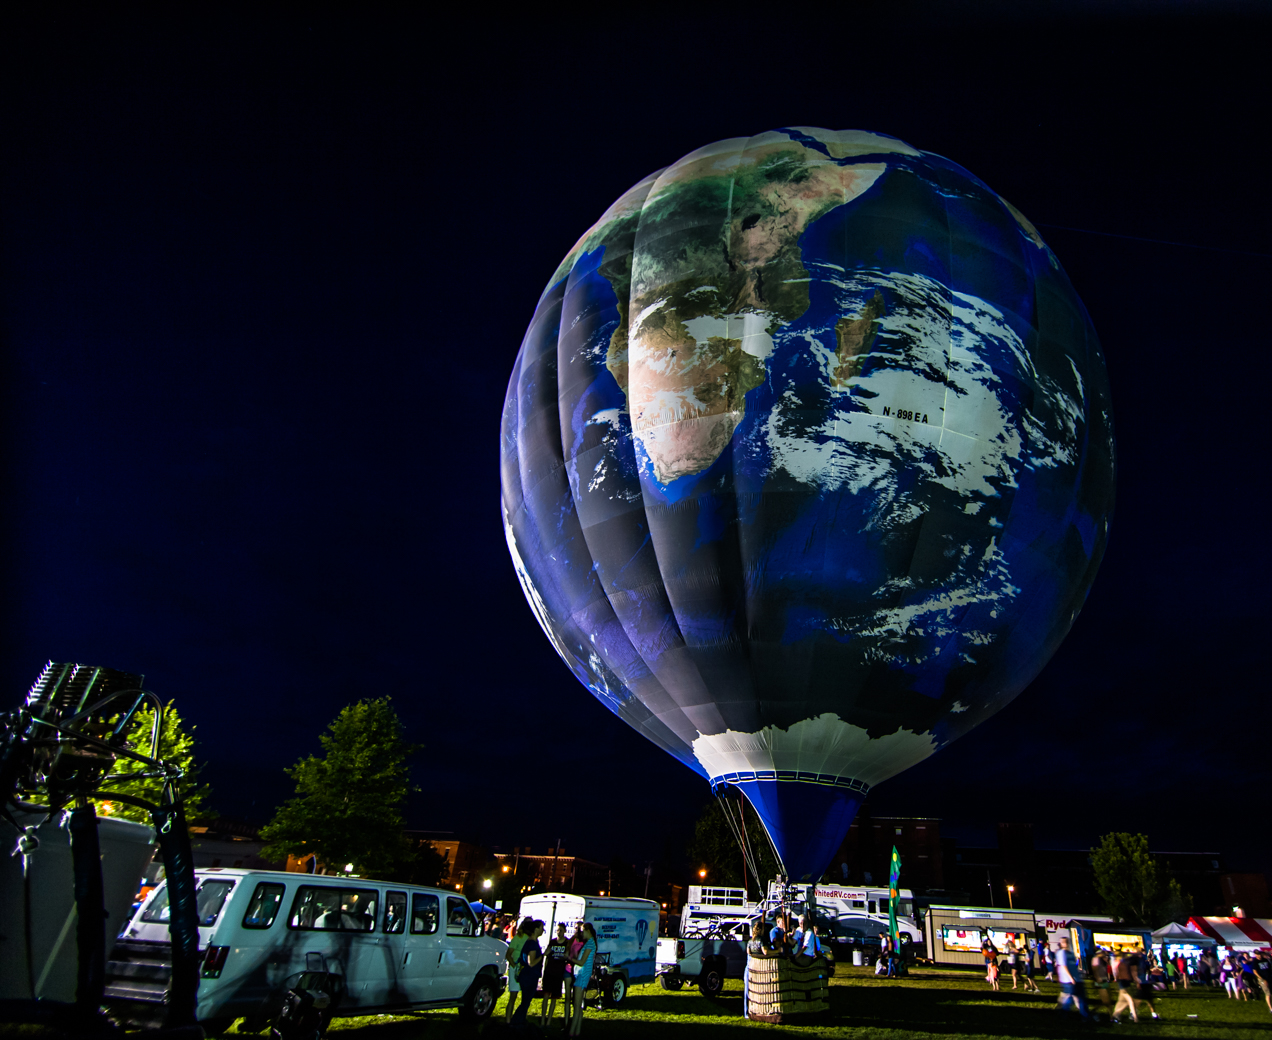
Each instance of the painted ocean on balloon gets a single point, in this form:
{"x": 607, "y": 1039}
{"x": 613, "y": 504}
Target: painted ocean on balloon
{"x": 807, "y": 465}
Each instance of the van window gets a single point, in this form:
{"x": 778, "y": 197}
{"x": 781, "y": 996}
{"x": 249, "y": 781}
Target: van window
{"x": 872, "y": 907}
{"x": 209, "y": 898}
{"x": 394, "y": 912}
{"x": 459, "y": 917}
{"x": 423, "y": 914}
{"x": 263, "y": 908}
{"x": 334, "y": 909}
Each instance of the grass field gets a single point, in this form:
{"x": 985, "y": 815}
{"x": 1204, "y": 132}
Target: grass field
{"x": 930, "y": 1003}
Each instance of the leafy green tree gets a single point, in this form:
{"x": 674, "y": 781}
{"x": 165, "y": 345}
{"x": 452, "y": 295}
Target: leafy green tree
{"x": 348, "y": 803}
{"x": 175, "y": 744}
{"x": 715, "y": 848}
{"x": 1127, "y": 877}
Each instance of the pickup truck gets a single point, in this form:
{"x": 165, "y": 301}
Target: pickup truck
{"x": 704, "y": 961}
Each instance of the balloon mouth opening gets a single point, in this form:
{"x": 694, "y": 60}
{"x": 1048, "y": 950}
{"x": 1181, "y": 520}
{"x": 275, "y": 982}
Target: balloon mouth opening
{"x": 806, "y": 815}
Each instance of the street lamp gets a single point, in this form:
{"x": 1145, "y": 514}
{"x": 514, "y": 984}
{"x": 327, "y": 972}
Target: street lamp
{"x": 1010, "y": 890}
{"x": 702, "y": 873}
{"x": 486, "y": 884}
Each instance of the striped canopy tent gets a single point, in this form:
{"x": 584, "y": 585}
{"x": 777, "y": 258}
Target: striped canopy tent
{"x": 1240, "y": 933}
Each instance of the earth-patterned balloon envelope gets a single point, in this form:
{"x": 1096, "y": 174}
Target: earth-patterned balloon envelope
{"x": 807, "y": 465}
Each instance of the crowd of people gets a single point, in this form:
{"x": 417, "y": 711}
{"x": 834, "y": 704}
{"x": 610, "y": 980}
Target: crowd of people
{"x": 802, "y": 945}
{"x": 1133, "y": 975}
{"x": 563, "y": 970}
{"x": 1125, "y": 982}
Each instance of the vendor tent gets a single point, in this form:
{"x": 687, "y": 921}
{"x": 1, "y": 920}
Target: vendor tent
{"x": 1179, "y": 934}
{"x": 1241, "y": 933}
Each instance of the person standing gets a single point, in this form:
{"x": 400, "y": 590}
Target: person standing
{"x": 1181, "y": 966}
{"x": 1100, "y": 974}
{"x": 1029, "y": 967}
{"x": 807, "y": 946}
{"x": 1071, "y": 990}
{"x": 1143, "y": 966}
{"x": 584, "y": 964}
{"x": 779, "y": 936}
{"x": 1263, "y": 975}
{"x": 990, "y": 952}
{"x": 1047, "y": 961}
{"x": 1127, "y": 982}
{"x": 553, "y": 974}
{"x": 514, "y": 965}
{"x": 1013, "y": 962}
{"x": 571, "y": 951}
{"x": 531, "y": 968}
{"x": 756, "y": 948}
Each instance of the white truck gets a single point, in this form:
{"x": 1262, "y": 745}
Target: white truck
{"x": 706, "y": 959}
{"x": 626, "y": 934}
{"x": 384, "y": 946}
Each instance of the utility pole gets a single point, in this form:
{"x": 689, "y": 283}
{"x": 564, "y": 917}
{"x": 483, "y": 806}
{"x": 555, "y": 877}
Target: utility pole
{"x": 990, "y": 885}
{"x": 649, "y": 869}
{"x": 555, "y": 856}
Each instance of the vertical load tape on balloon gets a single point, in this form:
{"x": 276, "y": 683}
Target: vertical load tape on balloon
{"x": 807, "y": 465}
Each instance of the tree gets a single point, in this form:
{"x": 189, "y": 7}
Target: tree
{"x": 715, "y": 847}
{"x": 348, "y": 803}
{"x": 175, "y": 745}
{"x": 420, "y": 864}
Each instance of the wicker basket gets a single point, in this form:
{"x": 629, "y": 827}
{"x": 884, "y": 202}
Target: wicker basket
{"x": 777, "y": 989}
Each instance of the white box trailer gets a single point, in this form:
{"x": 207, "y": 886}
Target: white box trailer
{"x": 1057, "y": 925}
{"x": 626, "y": 930}
{"x": 392, "y": 946}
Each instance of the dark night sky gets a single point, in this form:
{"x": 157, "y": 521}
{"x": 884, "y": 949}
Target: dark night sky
{"x": 265, "y": 280}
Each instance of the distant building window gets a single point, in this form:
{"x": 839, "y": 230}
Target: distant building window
{"x": 898, "y": 830}
{"x": 1214, "y": 864}
{"x": 264, "y": 905}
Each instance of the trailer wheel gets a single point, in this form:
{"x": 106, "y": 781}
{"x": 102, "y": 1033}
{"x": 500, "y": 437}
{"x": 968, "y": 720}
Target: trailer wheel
{"x": 616, "y": 990}
{"x": 710, "y": 982}
{"x": 480, "y": 999}
{"x": 672, "y": 982}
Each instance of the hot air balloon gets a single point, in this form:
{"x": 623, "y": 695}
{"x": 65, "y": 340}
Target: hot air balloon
{"x": 807, "y": 465}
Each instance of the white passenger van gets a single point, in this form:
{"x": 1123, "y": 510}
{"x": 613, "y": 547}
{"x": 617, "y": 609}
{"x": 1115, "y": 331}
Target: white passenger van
{"x": 394, "y": 947}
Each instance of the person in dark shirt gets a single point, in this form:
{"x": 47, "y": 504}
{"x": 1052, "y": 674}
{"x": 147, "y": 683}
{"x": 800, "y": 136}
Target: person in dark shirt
{"x": 531, "y": 959}
{"x": 553, "y": 974}
{"x": 1263, "y": 975}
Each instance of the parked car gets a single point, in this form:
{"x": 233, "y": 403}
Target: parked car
{"x": 388, "y": 946}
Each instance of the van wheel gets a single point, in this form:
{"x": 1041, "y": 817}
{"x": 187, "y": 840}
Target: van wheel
{"x": 480, "y": 999}
{"x": 672, "y": 982}
{"x": 617, "y": 990}
{"x": 710, "y": 983}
